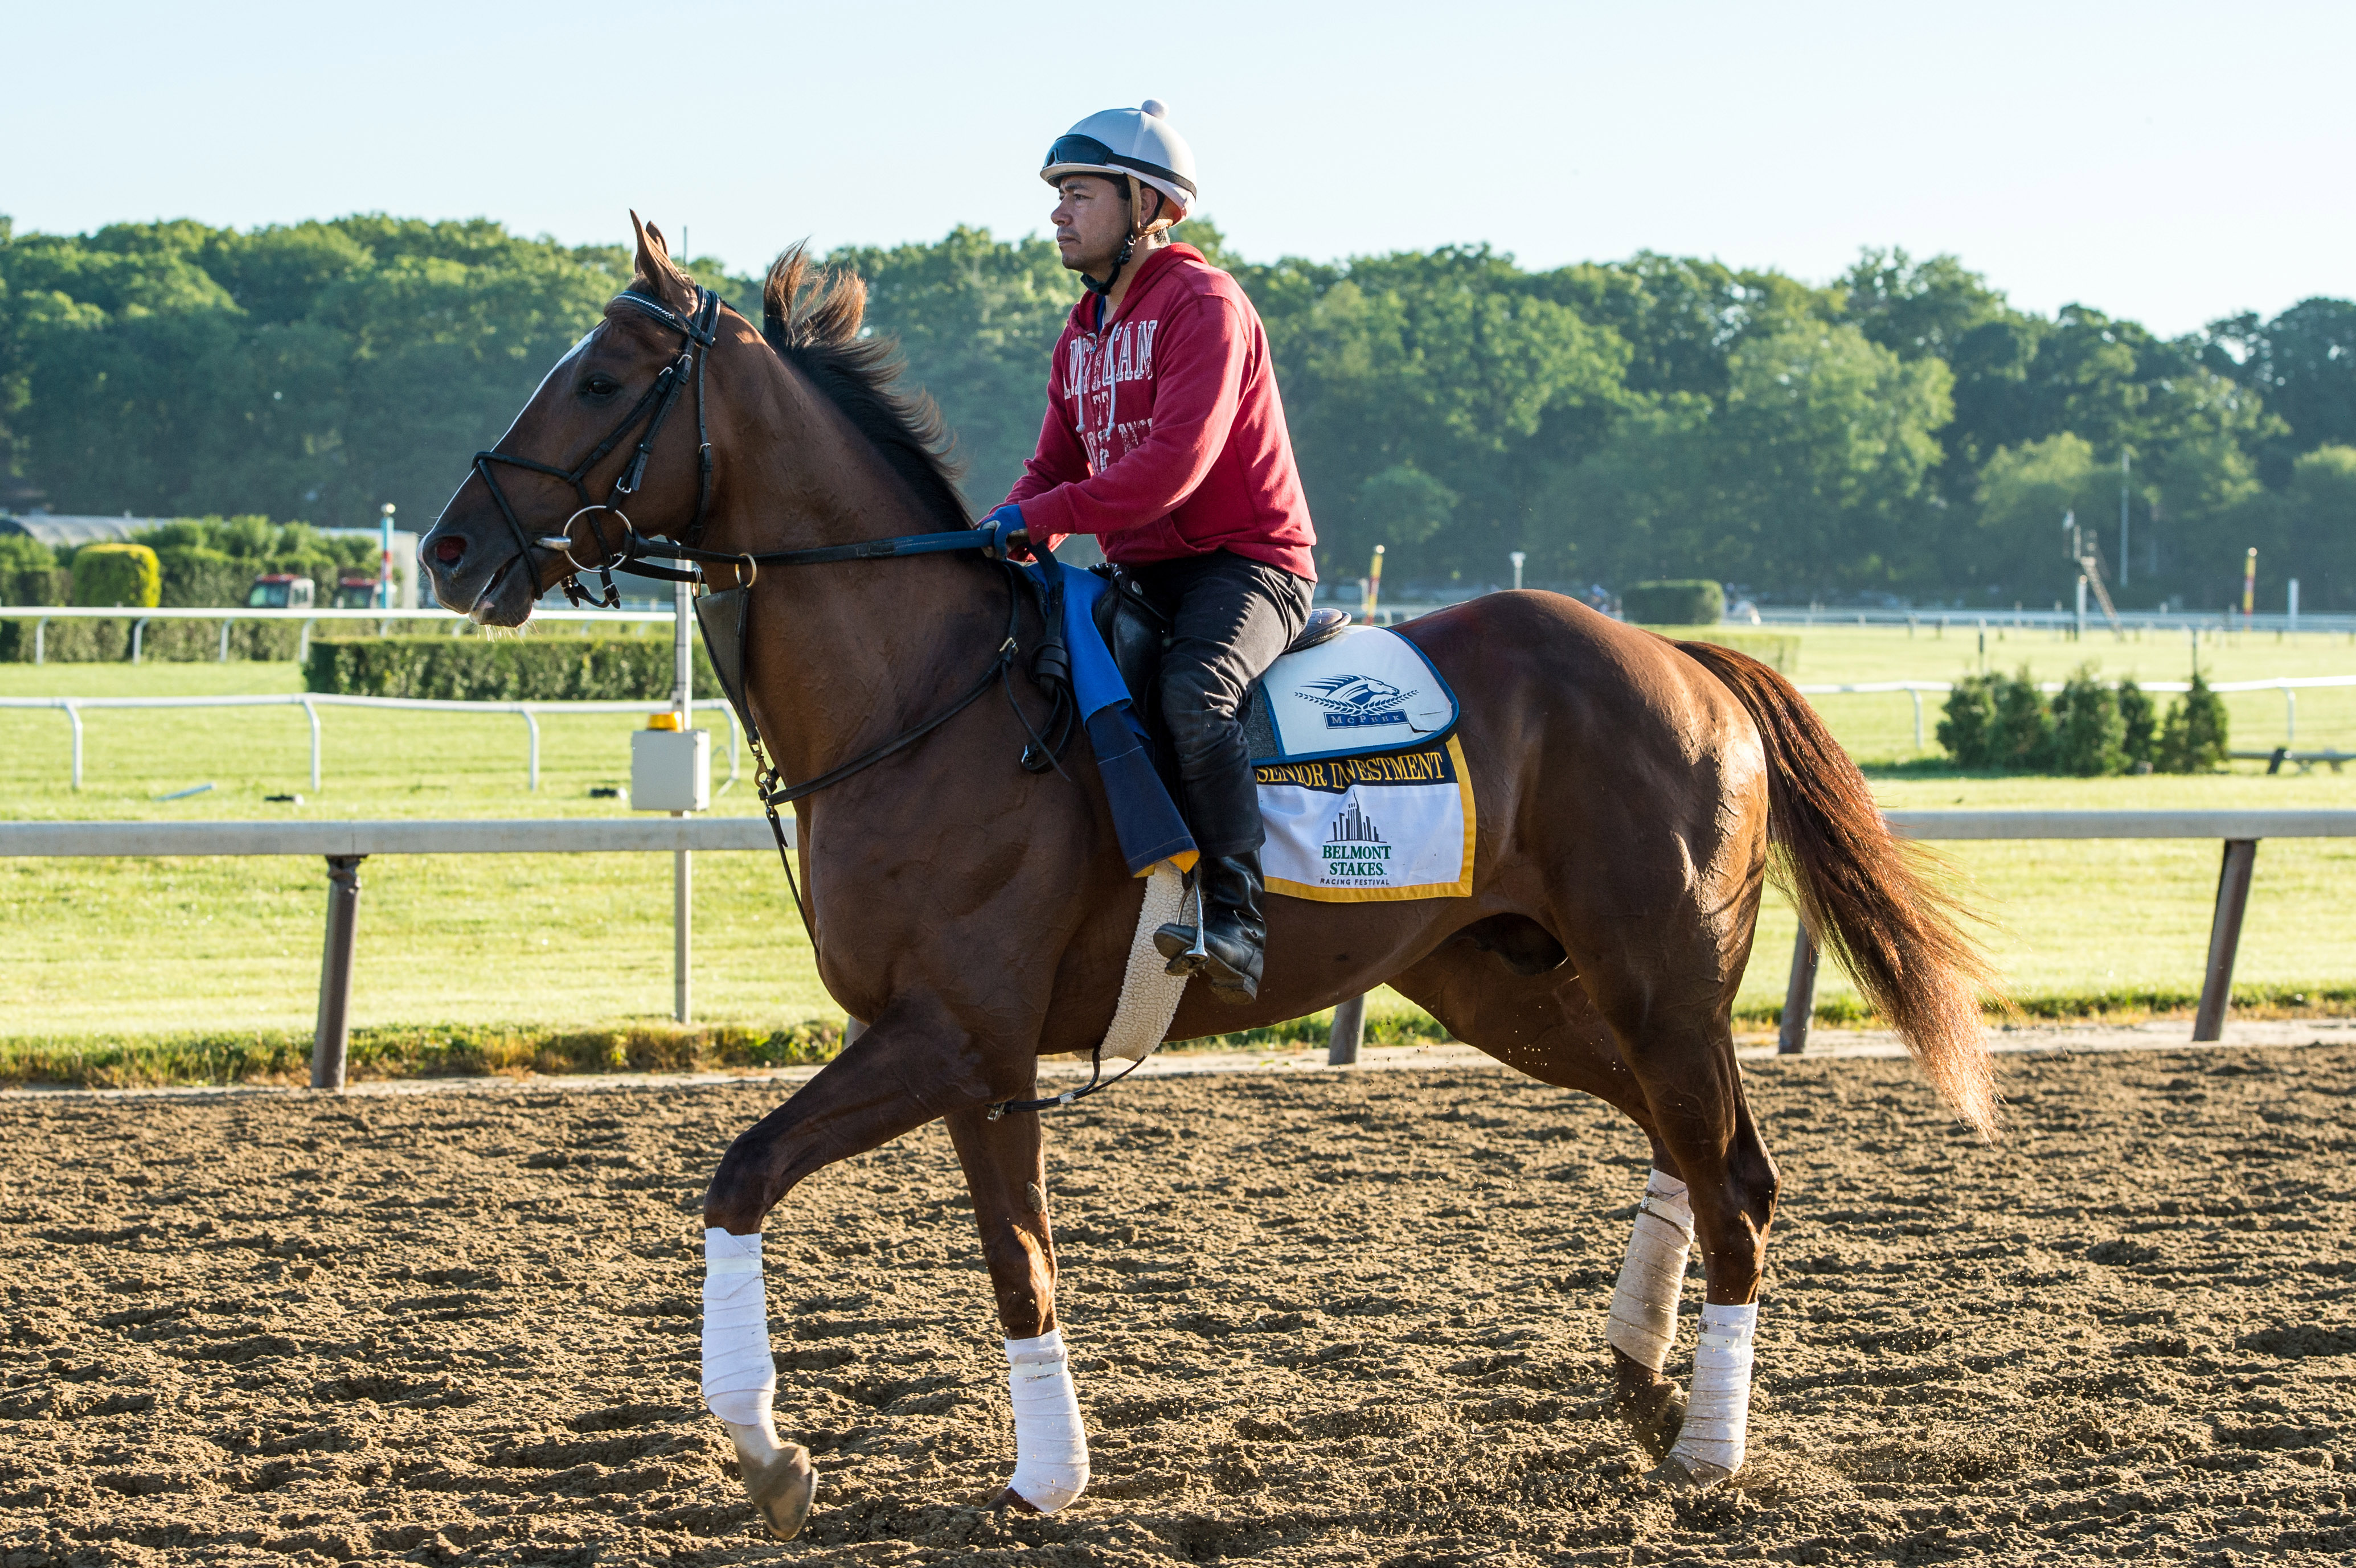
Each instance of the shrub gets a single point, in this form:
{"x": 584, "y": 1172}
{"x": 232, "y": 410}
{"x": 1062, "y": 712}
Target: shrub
{"x": 2138, "y": 725}
{"x": 1967, "y": 724}
{"x": 2089, "y": 734}
{"x": 1691, "y": 602}
{"x": 28, "y": 570}
{"x": 199, "y": 577}
{"x": 557, "y": 668}
{"x": 2193, "y": 739}
{"x": 124, "y": 574}
{"x": 1998, "y": 721}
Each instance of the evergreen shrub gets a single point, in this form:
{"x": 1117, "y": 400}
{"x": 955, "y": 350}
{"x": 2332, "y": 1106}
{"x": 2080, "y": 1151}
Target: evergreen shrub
{"x": 2003, "y": 723}
{"x": 124, "y": 574}
{"x": 1687, "y": 603}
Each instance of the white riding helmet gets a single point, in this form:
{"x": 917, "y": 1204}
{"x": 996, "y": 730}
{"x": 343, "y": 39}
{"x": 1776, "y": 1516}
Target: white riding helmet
{"x": 1137, "y": 143}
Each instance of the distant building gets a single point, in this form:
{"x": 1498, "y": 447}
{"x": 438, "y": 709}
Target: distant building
{"x": 62, "y": 532}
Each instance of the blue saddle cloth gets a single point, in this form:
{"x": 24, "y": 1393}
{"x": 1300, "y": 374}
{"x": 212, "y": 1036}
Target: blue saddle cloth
{"x": 1145, "y": 818}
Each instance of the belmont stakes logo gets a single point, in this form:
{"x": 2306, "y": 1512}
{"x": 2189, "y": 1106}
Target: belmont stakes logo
{"x": 1354, "y": 845}
{"x": 1356, "y": 701}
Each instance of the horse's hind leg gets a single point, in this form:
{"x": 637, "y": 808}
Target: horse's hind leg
{"x": 1545, "y": 1025}
{"x": 1667, "y": 995}
{"x": 1005, "y": 1170}
{"x": 900, "y": 1074}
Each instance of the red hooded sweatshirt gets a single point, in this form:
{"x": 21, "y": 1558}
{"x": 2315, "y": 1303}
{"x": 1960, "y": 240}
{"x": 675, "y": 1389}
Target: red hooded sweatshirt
{"x": 1165, "y": 435}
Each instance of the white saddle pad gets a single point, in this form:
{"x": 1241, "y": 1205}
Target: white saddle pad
{"x": 1368, "y": 690}
{"x": 1398, "y": 824}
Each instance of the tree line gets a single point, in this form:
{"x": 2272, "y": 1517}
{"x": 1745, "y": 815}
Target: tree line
{"x": 1901, "y": 433}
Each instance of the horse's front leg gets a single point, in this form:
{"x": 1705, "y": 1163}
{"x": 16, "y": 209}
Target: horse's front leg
{"x": 1005, "y": 1169}
{"x": 911, "y": 1066}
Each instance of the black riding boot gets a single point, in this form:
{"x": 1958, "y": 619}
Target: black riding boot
{"x": 1226, "y": 809}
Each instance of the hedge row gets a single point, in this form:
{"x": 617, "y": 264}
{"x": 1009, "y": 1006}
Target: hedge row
{"x": 557, "y": 667}
{"x": 1687, "y": 603}
{"x": 2087, "y": 728}
{"x": 79, "y": 641}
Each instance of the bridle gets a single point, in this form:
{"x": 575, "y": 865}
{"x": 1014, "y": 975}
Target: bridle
{"x": 724, "y": 614}
{"x": 697, "y": 331}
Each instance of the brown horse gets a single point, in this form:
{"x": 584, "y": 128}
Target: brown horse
{"x": 1632, "y": 795}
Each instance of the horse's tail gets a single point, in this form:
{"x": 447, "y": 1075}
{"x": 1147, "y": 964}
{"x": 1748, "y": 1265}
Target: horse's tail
{"x": 1865, "y": 893}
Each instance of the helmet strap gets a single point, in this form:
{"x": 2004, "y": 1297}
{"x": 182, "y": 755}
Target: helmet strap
{"x": 1127, "y": 247}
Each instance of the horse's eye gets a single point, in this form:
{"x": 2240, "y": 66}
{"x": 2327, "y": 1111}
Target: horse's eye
{"x": 600, "y": 385}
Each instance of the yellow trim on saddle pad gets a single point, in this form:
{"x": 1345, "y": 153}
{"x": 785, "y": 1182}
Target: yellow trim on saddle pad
{"x": 1426, "y": 767}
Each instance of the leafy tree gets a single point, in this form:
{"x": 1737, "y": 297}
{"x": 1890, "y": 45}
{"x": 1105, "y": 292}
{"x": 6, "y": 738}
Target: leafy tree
{"x": 2303, "y": 363}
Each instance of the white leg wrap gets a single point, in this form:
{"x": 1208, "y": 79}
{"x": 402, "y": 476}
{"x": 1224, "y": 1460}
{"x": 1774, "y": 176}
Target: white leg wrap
{"x": 740, "y": 1378}
{"x": 1051, "y": 1446}
{"x": 1645, "y": 1303}
{"x": 1718, "y": 1411}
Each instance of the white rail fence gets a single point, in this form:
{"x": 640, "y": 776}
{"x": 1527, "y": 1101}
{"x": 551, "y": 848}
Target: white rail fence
{"x": 311, "y": 701}
{"x": 343, "y": 845}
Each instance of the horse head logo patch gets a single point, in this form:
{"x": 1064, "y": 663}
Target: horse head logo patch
{"x": 1356, "y": 701}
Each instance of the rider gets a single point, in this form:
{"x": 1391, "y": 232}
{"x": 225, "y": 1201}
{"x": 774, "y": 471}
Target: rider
{"x": 1165, "y": 437}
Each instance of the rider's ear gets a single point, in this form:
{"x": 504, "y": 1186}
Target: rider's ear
{"x": 658, "y": 274}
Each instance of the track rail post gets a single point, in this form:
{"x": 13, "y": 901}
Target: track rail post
{"x": 1799, "y": 997}
{"x": 2225, "y": 937}
{"x": 331, "y": 1040}
{"x": 1349, "y": 1032}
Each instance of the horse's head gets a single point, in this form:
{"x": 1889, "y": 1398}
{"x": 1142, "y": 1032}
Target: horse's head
{"x": 614, "y": 427}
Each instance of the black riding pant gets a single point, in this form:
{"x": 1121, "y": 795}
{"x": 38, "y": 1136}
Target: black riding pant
{"x": 1231, "y": 617}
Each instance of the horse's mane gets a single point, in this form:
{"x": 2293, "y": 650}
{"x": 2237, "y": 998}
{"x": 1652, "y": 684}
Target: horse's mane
{"x": 813, "y": 323}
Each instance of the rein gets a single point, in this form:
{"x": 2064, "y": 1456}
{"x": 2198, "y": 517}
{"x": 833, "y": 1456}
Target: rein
{"x": 720, "y": 611}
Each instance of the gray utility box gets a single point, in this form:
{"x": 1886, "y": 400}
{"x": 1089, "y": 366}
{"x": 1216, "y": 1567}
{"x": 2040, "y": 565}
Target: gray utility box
{"x": 671, "y": 770}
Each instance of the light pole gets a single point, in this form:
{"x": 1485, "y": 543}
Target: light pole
{"x": 1517, "y": 558}
{"x": 384, "y": 562}
{"x": 2125, "y": 572}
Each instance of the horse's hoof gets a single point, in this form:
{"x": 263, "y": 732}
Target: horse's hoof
{"x": 782, "y": 1489}
{"x": 1689, "y": 1475}
{"x": 1006, "y": 1499}
{"x": 1656, "y": 1414}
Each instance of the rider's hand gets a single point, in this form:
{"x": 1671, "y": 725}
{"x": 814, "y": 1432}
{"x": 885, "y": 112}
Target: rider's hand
{"x": 1008, "y": 538}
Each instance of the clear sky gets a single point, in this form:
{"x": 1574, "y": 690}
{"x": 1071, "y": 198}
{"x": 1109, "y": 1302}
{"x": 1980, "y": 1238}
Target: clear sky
{"x": 2167, "y": 161}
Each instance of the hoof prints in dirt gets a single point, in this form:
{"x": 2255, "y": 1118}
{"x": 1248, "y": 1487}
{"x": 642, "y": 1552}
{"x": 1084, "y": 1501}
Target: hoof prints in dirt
{"x": 1316, "y": 1320}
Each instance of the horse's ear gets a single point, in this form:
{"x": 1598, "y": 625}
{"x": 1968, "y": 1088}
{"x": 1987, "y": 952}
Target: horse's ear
{"x": 659, "y": 274}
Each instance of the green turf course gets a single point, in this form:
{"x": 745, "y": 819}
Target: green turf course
{"x": 578, "y": 950}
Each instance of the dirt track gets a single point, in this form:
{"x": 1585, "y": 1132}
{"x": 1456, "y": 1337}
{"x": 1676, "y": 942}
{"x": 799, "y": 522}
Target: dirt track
{"x": 1318, "y": 1319}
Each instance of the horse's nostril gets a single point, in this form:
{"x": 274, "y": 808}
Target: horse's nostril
{"x": 448, "y": 551}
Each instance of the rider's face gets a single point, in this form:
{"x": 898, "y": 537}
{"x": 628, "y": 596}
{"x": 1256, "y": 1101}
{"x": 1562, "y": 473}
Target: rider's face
{"x": 1091, "y": 221}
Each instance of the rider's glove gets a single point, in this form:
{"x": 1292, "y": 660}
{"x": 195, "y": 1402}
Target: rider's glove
{"x": 1008, "y": 538}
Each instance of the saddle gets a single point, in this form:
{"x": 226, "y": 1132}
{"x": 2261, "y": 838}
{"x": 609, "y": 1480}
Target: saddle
{"x": 1138, "y": 631}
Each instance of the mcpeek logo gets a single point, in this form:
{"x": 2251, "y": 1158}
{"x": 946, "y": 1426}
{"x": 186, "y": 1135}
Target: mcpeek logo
{"x": 1356, "y": 701}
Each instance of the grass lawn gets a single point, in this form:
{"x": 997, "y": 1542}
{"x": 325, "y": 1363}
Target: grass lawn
{"x": 111, "y": 949}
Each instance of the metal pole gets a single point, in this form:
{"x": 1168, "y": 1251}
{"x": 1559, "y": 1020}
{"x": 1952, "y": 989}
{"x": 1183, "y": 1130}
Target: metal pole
{"x": 41, "y": 640}
{"x": 2294, "y": 605}
{"x": 74, "y": 715}
{"x": 1917, "y": 696}
{"x": 683, "y": 902}
{"x": 532, "y": 721}
{"x": 311, "y": 711}
{"x": 139, "y": 631}
{"x": 1517, "y": 558}
{"x": 1349, "y": 1032}
{"x": 2080, "y": 631}
{"x": 2225, "y": 937}
{"x": 1799, "y": 997}
{"x": 2124, "y": 573}
{"x": 384, "y": 562}
{"x": 2290, "y": 717}
{"x": 331, "y": 1042}
{"x": 224, "y": 648}
{"x": 682, "y": 866}
{"x": 303, "y": 645}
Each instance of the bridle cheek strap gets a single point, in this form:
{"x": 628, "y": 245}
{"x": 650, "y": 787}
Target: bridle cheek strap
{"x": 697, "y": 331}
